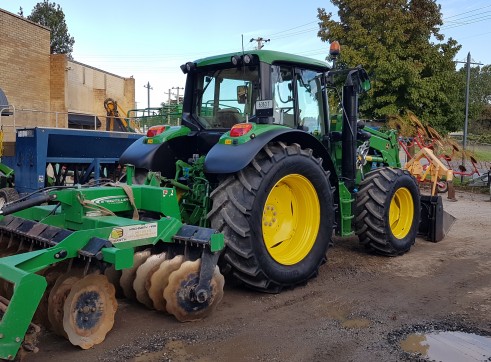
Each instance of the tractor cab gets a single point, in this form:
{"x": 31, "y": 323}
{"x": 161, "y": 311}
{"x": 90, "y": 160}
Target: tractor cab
{"x": 264, "y": 87}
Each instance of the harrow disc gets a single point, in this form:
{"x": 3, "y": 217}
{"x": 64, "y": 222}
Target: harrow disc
{"x": 56, "y": 301}
{"x": 160, "y": 279}
{"x": 51, "y": 274}
{"x": 113, "y": 276}
{"x": 89, "y": 311}
{"x": 178, "y": 293}
{"x": 128, "y": 275}
{"x": 142, "y": 279}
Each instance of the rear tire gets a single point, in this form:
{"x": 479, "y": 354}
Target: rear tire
{"x": 7, "y": 195}
{"x": 388, "y": 211}
{"x": 277, "y": 216}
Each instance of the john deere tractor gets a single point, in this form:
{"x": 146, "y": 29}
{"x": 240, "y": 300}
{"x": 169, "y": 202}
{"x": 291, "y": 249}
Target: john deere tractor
{"x": 283, "y": 173}
{"x": 253, "y": 183}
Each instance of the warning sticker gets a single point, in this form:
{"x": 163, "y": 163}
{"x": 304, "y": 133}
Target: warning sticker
{"x": 133, "y": 232}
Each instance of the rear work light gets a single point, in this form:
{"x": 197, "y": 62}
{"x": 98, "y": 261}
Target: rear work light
{"x": 240, "y": 129}
{"x": 156, "y": 130}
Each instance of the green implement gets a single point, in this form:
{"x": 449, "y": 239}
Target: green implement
{"x": 89, "y": 231}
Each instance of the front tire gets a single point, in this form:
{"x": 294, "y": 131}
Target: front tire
{"x": 277, "y": 216}
{"x": 388, "y": 211}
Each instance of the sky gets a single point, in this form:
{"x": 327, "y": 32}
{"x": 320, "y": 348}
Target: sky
{"x": 149, "y": 40}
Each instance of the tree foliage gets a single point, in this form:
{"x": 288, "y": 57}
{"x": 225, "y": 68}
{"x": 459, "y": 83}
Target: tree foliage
{"x": 399, "y": 43}
{"x": 479, "y": 89}
{"x": 479, "y": 96}
{"x": 51, "y": 15}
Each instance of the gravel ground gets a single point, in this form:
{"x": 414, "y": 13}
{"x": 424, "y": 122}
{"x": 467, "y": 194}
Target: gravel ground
{"x": 359, "y": 308}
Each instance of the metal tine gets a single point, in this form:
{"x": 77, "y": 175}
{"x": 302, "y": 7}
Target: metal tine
{"x": 21, "y": 244}
{"x": 87, "y": 266}
{"x": 70, "y": 263}
{"x": 10, "y": 240}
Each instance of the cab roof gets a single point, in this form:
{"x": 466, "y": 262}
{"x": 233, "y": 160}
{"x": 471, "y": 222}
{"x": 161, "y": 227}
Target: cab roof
{"x": 266, "y": 56}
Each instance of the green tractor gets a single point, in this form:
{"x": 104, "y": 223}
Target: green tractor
{"x": 253, "y": 184}
{"x": 282, "y": 173}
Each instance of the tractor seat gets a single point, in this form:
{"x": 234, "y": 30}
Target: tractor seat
{"x": 226, "y": 118}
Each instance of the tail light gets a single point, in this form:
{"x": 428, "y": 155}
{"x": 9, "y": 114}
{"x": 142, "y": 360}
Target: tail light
{"x": 240, "y": 129}
{"x": 156, "y": 130}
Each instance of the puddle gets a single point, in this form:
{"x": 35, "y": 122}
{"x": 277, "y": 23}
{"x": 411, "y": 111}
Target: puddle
{"x": 346, "y": 322}
{"x": 449, "y": 346}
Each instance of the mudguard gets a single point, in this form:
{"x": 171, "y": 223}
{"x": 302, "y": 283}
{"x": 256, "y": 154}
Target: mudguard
{"x": 149, "y": 157}
{"x": 158, "y": 153}
{"x": 225, "y": 159}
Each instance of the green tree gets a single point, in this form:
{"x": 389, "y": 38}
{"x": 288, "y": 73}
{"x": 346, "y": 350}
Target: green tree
{"x": 51, "y": 15}
{"x": 399, "y": 43}
{"x": 479, "y": 96}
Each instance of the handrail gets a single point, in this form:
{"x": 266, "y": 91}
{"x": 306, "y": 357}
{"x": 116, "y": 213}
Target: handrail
{"x": 4, "y": 108}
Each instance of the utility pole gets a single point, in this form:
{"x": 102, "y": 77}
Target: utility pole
{"x": 169, "y": 93}
{"x": 259, "y": 41}
{"x": 168, "y": 96}
{"x": 466, "y": 121}
{"x": 148, "y": 95}
{"x": 177, "y": 93}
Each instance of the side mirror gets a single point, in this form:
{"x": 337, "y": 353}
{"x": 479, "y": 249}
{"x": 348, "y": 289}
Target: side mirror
{"x": 365, "y": 84}
{"x": 242, "y": 91}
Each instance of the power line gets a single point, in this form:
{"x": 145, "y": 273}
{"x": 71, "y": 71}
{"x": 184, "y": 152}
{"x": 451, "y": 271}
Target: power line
{"x": 471, "y": 21}
{"x": 469, "y": 16}
{"x": 295, "y": 27}
{"x": 467, "y": 12}
{"x": 295, "y": 33}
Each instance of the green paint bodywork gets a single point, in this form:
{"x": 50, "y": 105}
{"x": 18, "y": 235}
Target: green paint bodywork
{"x": 266, "y": 56}
{"x": 385, "y": 143}
{"x": 256, "y": 130}
{"x": 6, "y": 171}
{"x": 346, "y": 213}
{"x": 171, "y": 132}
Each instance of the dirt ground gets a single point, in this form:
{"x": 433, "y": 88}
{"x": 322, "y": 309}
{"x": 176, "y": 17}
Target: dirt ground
{"x": 357, "y": 309}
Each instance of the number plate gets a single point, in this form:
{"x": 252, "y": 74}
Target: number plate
{"x": 266, "y": 104}
{"x": 264, "y": 108}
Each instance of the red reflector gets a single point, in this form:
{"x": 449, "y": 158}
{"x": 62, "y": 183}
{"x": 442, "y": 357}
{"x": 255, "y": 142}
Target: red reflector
{"x": 155, "y": 130}
{"x": 240, "y": 129}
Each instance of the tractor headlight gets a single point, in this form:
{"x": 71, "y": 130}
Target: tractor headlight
{"x": 247, "y": 59}
{"x": 236, "y": 60}
{"x": 189, "y": 66}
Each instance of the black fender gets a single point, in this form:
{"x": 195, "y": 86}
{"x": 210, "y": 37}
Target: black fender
{"x": 226, "y": 159}
{"x": 154, "y": 157}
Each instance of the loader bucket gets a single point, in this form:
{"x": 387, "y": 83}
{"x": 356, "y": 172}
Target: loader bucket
{"x": 435, "y": 222}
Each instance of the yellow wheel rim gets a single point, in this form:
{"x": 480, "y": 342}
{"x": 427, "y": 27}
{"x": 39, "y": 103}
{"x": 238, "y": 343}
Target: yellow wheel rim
{"x": 291, "y": 219}
{"x": 401, "y": 213}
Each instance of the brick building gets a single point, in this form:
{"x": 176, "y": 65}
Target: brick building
{"x": 51, "y": 90}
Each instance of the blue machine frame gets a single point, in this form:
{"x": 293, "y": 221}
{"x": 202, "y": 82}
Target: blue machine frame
{"x": 83, "y": 152}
